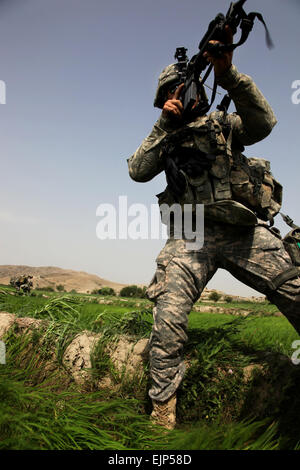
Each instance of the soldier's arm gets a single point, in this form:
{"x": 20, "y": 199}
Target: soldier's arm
{"x": 254, "y": 118}
{"x": 147, "y": 162}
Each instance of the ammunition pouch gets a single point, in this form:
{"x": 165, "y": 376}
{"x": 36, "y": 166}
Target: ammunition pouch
{"x": 253, "y": 184}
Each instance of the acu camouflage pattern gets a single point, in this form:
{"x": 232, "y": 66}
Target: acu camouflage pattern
{"x": 232, "y": 176}
{"x": 23, "y": 283}
{"x": 292, "y": 244}
{"x": 248, "y": 181}
{"x": 253, "y": 255}
{"x": 252, "y": 122}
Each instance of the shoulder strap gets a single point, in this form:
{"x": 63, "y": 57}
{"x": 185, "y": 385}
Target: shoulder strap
{"x": 286, "y": 275}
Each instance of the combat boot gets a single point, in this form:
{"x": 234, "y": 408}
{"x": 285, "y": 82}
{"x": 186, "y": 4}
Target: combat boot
{"x": 164, "y": 413}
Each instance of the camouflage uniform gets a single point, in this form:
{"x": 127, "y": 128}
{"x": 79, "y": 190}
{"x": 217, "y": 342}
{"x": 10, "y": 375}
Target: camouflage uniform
{"x": 254, "y": 255}
{"x": 22, "y": 283}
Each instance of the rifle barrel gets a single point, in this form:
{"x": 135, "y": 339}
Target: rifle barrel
{"x": 240, "y": 3}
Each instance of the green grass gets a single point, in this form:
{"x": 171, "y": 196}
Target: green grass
{"x": 51, "y": 415}
{"x": 257, "y": 333}
{"x": 245, "y": 435}
{"x": 253, "y": 307}
{"x": 42, "y": 408}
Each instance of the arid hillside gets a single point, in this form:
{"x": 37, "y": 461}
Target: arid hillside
{"x": 51, "y": 276}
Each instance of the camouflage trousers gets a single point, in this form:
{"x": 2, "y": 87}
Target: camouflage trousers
{"x": 253, "y": 255}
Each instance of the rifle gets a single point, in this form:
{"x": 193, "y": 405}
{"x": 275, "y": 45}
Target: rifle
{"x": 190, "y": 71}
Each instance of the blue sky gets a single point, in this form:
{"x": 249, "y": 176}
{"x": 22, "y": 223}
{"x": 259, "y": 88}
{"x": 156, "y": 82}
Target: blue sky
{"x": 81, "y": 78}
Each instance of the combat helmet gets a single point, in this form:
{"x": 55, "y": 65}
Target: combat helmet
{"x": 170, "y": 75}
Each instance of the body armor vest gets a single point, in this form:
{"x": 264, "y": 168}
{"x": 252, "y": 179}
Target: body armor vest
{"x": 202, "y": 167}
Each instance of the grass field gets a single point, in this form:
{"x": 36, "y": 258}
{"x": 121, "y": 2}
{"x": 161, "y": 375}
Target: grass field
{"x": 240, "y": 391}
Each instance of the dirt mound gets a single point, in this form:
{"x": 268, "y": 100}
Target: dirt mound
{"x": 7, "y": 320}
{"x": 127, "y": 355}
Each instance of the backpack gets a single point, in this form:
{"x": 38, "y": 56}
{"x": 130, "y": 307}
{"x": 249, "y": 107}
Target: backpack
{"x": 254, "y": 185}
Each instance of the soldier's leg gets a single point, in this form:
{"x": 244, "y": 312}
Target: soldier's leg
{"x": 179, "y": 280}
{"x": 258, "y": 258}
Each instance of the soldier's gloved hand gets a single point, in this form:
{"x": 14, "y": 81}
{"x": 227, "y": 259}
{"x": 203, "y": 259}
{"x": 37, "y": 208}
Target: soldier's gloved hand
{"x": 221, "y": 64}
{"x": 173, "y": 106}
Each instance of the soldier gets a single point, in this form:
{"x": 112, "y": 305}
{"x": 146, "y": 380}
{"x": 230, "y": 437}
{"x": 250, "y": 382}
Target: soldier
{"x": 23, "y": 283}
{"x": 27, "y": 285}
{"x": 237, "y": 235}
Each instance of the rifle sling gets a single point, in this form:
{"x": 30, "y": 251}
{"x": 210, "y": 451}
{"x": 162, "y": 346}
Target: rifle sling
{"x": 277, "y": 281}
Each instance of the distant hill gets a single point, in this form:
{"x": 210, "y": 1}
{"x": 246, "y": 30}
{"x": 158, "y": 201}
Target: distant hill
{"x": 51, "y": 276}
